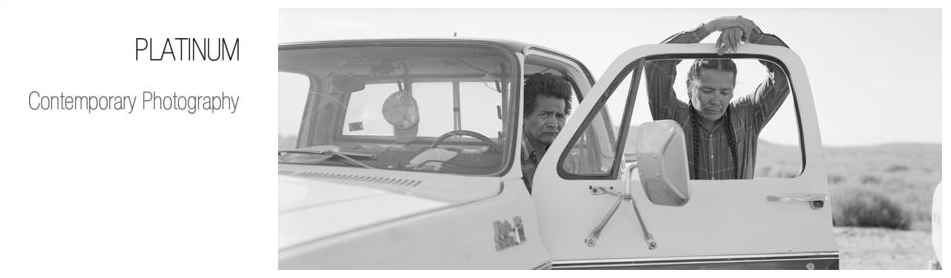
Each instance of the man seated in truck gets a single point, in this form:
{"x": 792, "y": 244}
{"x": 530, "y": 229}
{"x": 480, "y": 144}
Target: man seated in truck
{"x": 547, "y": 104}
{"x": 721, "y": 132}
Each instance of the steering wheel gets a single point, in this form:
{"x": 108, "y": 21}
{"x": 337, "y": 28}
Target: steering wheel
{"x": 493, "y": 147}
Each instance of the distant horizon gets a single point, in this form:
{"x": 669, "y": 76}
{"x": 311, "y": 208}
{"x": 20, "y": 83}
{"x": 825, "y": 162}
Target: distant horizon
{"x": 824, "y": 145}
{"x": 872, "y": 145}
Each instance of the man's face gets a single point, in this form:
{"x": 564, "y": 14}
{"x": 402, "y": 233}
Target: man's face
{"x": 711, "y": 93}
{"x": 546, "y": 120}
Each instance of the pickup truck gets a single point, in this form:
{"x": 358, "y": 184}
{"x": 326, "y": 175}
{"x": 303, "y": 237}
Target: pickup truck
{"x": 405, "y": 154}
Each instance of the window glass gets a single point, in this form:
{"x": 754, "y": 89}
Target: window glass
{"x": 558, "y": 69}
{"x": 389, "y": 107}
{"x": 538, "y": 64}
{"x": 292, "y": 88}
{"x": 766, "y": 131}
{"x": 779, "y": 154}
{"x": 592, "y": 154}
{"x": 364, "y": 113}
{"x": 481, "y": 108}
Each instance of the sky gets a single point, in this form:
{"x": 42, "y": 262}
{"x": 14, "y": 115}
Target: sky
{"x": 875, "y": 73}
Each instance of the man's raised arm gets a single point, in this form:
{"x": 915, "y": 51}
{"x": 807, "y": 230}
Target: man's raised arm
{"x": 661, "y": 74}
{"x": 771, "y": 92}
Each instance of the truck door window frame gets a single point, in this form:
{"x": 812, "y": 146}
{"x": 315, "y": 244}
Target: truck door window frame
{"x": 636, "y": 68}
{"x": 573, "y": 71}
{"x": 619, "y": 138}
{"x": 746, "y": 217}
{"x": 771, "y": 59}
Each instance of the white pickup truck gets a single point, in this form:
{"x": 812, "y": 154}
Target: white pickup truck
{"x": 405, "y": 154}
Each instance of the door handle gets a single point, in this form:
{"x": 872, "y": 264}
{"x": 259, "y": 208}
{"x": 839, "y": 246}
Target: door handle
{"x": 815, "y": 201}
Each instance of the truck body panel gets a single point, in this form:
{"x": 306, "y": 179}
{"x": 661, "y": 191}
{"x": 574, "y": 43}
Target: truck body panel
{"x": 400, "y": 213}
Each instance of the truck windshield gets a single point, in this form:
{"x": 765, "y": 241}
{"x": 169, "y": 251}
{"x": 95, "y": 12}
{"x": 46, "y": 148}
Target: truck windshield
{"x": 411, "y": 108}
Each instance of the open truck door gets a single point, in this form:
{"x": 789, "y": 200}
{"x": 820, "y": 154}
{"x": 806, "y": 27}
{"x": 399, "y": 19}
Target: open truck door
{"x": 642, "y": 210}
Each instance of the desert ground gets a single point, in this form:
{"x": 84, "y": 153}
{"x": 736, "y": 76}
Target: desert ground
{"x": 894, "y": 183}
{"x": 882, "y": 248}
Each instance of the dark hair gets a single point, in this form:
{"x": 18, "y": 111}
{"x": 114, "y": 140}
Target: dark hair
{"x": 714, "y": 64}
{"x": 549, "y": 85}
{"x": 731, "y": 136}
{"x": 721, "y": 65}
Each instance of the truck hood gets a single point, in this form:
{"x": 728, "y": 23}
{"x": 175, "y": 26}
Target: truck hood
{"x": 312, "y": 208}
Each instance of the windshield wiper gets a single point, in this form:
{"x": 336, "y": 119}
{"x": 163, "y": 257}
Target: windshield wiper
{"x": 346, "y": 156}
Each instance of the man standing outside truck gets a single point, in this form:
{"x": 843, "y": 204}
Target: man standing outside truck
{"x": 721, "y": 132}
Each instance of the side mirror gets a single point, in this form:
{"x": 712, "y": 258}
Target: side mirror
{"x": 661, "y": 154}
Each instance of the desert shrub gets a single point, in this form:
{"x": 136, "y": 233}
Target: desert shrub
{"x": 870, "y": 180}
{"x": 867, "y": 208}
{"x": 897, "y": 168}
{"x": 835, "y": 179}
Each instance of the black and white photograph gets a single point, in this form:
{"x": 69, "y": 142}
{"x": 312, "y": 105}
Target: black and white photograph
{"x": 446, "y": 138}
{"x": 609, "y": 138}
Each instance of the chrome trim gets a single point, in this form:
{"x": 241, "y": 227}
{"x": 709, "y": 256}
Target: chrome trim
{"x": 694, "y": 260}
{"x": 815, "y": 201}
{"x": 595, "y": 234}
{"x": 544, "y": 266}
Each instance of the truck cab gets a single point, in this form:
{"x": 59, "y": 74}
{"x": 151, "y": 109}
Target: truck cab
{"x": 402, "y": 154}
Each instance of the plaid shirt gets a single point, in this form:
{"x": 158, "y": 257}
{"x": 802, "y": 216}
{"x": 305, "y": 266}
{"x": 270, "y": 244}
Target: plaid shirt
{"x": 530, "y": 159}
{"x": 748, "y": 114}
